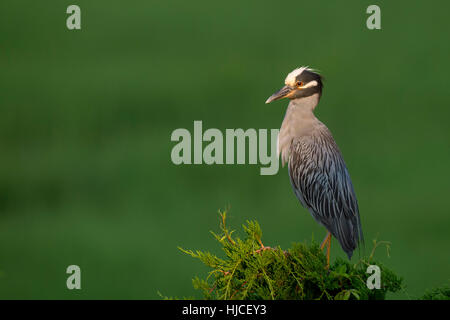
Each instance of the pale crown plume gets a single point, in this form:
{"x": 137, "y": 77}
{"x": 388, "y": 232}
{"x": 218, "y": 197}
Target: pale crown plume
{"x": 291, "y": 77}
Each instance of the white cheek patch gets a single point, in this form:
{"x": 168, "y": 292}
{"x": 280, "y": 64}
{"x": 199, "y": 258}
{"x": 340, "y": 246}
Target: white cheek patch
{"x": 310, "y": 84}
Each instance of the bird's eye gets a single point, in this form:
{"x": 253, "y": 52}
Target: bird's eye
{"x": 299, "y": 83}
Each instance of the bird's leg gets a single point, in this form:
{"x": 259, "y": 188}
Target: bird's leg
{"x": 328, "y": 252}
{"x": 326, "y": 241}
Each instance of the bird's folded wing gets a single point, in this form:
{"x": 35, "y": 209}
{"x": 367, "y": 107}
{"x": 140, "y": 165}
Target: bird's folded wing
{"x": 321, "y": 182}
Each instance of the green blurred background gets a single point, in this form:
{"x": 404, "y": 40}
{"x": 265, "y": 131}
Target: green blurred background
{"x": 86, "y": 117}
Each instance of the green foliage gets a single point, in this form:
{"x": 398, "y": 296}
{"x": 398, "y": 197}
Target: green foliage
{"x": 441, "y": 293}
{"x": 249, "y": 272}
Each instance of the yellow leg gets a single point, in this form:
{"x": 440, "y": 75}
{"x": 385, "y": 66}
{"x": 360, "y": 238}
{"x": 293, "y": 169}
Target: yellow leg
{"x": 327, "y": 241}
{"x": 328, "y": 253}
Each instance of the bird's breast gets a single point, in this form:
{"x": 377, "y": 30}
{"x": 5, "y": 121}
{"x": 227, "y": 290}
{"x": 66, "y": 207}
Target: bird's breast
{"x": 292, "y": 129}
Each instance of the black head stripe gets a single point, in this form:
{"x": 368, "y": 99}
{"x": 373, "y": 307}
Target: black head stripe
{"x": 308, "y": 76}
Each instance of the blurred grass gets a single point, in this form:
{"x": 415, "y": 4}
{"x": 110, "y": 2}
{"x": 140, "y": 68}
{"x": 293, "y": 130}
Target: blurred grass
{"x": 86, "y": 118}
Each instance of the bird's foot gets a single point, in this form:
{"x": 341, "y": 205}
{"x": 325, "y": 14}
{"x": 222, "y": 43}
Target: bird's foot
{"x": 263, "y": 248}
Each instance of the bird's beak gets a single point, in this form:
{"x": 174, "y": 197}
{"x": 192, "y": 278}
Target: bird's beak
{"x": 280, "y": 94}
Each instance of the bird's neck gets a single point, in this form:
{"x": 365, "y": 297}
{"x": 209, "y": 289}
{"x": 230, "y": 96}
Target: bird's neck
{"x": 300, "y": 113}
{"x": 298, "y": 121}
{"x": 304, "y": 105}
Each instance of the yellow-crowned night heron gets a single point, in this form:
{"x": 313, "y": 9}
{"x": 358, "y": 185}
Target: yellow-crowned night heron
{"x": 317, "y": 170}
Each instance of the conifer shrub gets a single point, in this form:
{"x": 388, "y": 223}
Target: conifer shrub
{"x": 440, "y": 293}
{"x": 300, "y": 272}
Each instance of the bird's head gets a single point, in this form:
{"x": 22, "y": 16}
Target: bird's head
{"x": 300, "y": 83}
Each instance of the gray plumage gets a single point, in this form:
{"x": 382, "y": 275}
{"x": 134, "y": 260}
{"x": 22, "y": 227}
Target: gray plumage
{"x": 317, "y": 170}
{"x": 322, "y": 183}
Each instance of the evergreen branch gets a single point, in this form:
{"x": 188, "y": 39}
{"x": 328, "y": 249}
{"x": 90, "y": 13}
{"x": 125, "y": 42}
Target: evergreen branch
{"x": 296, "y": 273}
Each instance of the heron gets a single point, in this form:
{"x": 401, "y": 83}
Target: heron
{"x": 317, "y": 171}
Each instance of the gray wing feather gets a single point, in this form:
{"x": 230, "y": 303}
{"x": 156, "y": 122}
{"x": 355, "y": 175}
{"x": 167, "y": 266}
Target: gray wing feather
{"x": 321, "y": 182}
